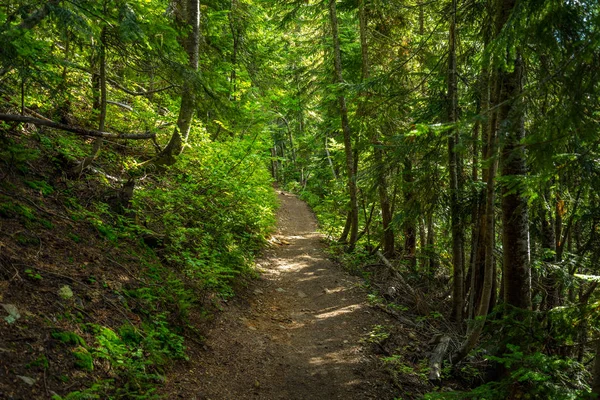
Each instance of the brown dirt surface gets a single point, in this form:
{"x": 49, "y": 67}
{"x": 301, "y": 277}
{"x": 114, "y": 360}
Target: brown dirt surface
{"x": 298, "y": 332}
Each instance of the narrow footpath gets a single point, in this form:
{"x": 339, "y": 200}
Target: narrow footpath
{"x": 296, "y": 334}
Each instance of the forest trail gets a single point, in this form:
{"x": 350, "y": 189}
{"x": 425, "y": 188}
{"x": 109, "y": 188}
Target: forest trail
{"x": 296, "y": 332}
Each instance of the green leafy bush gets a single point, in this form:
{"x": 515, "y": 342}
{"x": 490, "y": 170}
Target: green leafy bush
{"x": 216, "y": 207}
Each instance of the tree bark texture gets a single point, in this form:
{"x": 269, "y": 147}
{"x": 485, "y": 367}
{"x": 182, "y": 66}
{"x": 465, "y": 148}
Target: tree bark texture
{"x": 384, "y": 201}
{"x": 351, "y": 172}
{"x": 457, "y": 234}
{"x": 596, "y": 371}
{"x": 488, "y": 273}
{"x": 99, "y": 104}
{"x": 187, "y": 16}
{"x": 433, "y": 264}
{"x": 551, "y": 296}
{"x": 409, "y": 226}
{"x": 378, "y": 153}
{"x": 515, "y": 219}
{"x": 437, "y": 358}
{"x": 487, "y": 227}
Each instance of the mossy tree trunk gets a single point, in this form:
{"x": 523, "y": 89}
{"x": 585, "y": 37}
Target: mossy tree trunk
{"x": 187, "y": 17}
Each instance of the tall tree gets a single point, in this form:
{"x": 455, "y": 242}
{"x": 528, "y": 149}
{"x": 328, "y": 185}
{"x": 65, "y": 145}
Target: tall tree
{"x": 187, "y": 18}
{"x": 378, "y": 152}
{"x": 453, "y": 166}
{"x": 515, "y": 219}
{"x": 347, "y": 132}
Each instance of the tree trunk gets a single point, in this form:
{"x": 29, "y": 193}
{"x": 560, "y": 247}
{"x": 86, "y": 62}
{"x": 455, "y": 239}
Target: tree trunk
{"x": 410, "y": 230}
{"x": 384, "y": 201}
{"x": 290, "y": 139}
{"x": 234, "y": 34}
{"x": 596, "y": 372}
{"x": 187, "y": 16}
{"x": 274, "y": 163}
{"x": 347, "y": 226}
{"x": 488, "y": 243}
{"x": 486, "y": 235}
{"x": 551, "y": 296}
{"x": 378, "y": 154}
{"x": 99, "y": 103}
{"x": 351, "y": 172}
{"x": 457, "y": 234}
{"x": 432, "y": 260}
{"x": 515, "y": 219}
{"x": 422, "y": 245}
{"x": 329, "y": 157}
{"x": 475, "y": 218}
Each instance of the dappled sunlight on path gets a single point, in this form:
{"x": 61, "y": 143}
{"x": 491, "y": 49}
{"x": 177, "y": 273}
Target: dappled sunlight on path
{"x": 298, "y": 333}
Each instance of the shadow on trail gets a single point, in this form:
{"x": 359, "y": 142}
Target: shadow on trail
{"x": 296, "y": 334}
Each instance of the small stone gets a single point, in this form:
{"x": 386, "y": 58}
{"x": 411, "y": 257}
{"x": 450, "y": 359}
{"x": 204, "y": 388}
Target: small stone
{"x": 27, "y": 380}
{"x": 280, "y": 290}
{"x": 13, "y": 313}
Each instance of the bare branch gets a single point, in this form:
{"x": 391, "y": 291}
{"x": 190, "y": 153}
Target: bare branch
{"x": 142, "y": 93}
{"x": 122, "y": 105}
{"x": 80, "y": 131}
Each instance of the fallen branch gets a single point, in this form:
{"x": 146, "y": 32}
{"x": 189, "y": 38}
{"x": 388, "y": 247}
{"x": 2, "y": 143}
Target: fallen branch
{"x": 122, "y": 105}
{"x": 74, "y": 129}
{"x": 28, "y": 200}
{"x": 396, "y": 274}
{"x": 437, "y": 358}
{"x": 142, "y": 93}
{"x": 396, "y": 315}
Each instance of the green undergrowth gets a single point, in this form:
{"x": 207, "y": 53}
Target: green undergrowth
{"x": 188, "y": 237}
{"x": 215, "y": 209}
{"x": 515, "y": 351}
{"x": 205, "y": 218}
{"x": 503, "y": 365}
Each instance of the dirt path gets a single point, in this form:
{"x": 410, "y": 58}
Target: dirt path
{"x": 297, "y": 332}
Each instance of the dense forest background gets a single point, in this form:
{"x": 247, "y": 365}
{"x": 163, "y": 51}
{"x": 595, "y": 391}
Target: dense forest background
{"x": 455, "y": 143}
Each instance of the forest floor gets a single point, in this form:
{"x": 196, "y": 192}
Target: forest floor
{"x": 300, "y": 331}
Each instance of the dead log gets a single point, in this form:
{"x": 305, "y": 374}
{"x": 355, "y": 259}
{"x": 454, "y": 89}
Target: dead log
{"x": 437, "y": 359}
{"x": 395, "y": 273}
{"x": 74, "y": 129}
